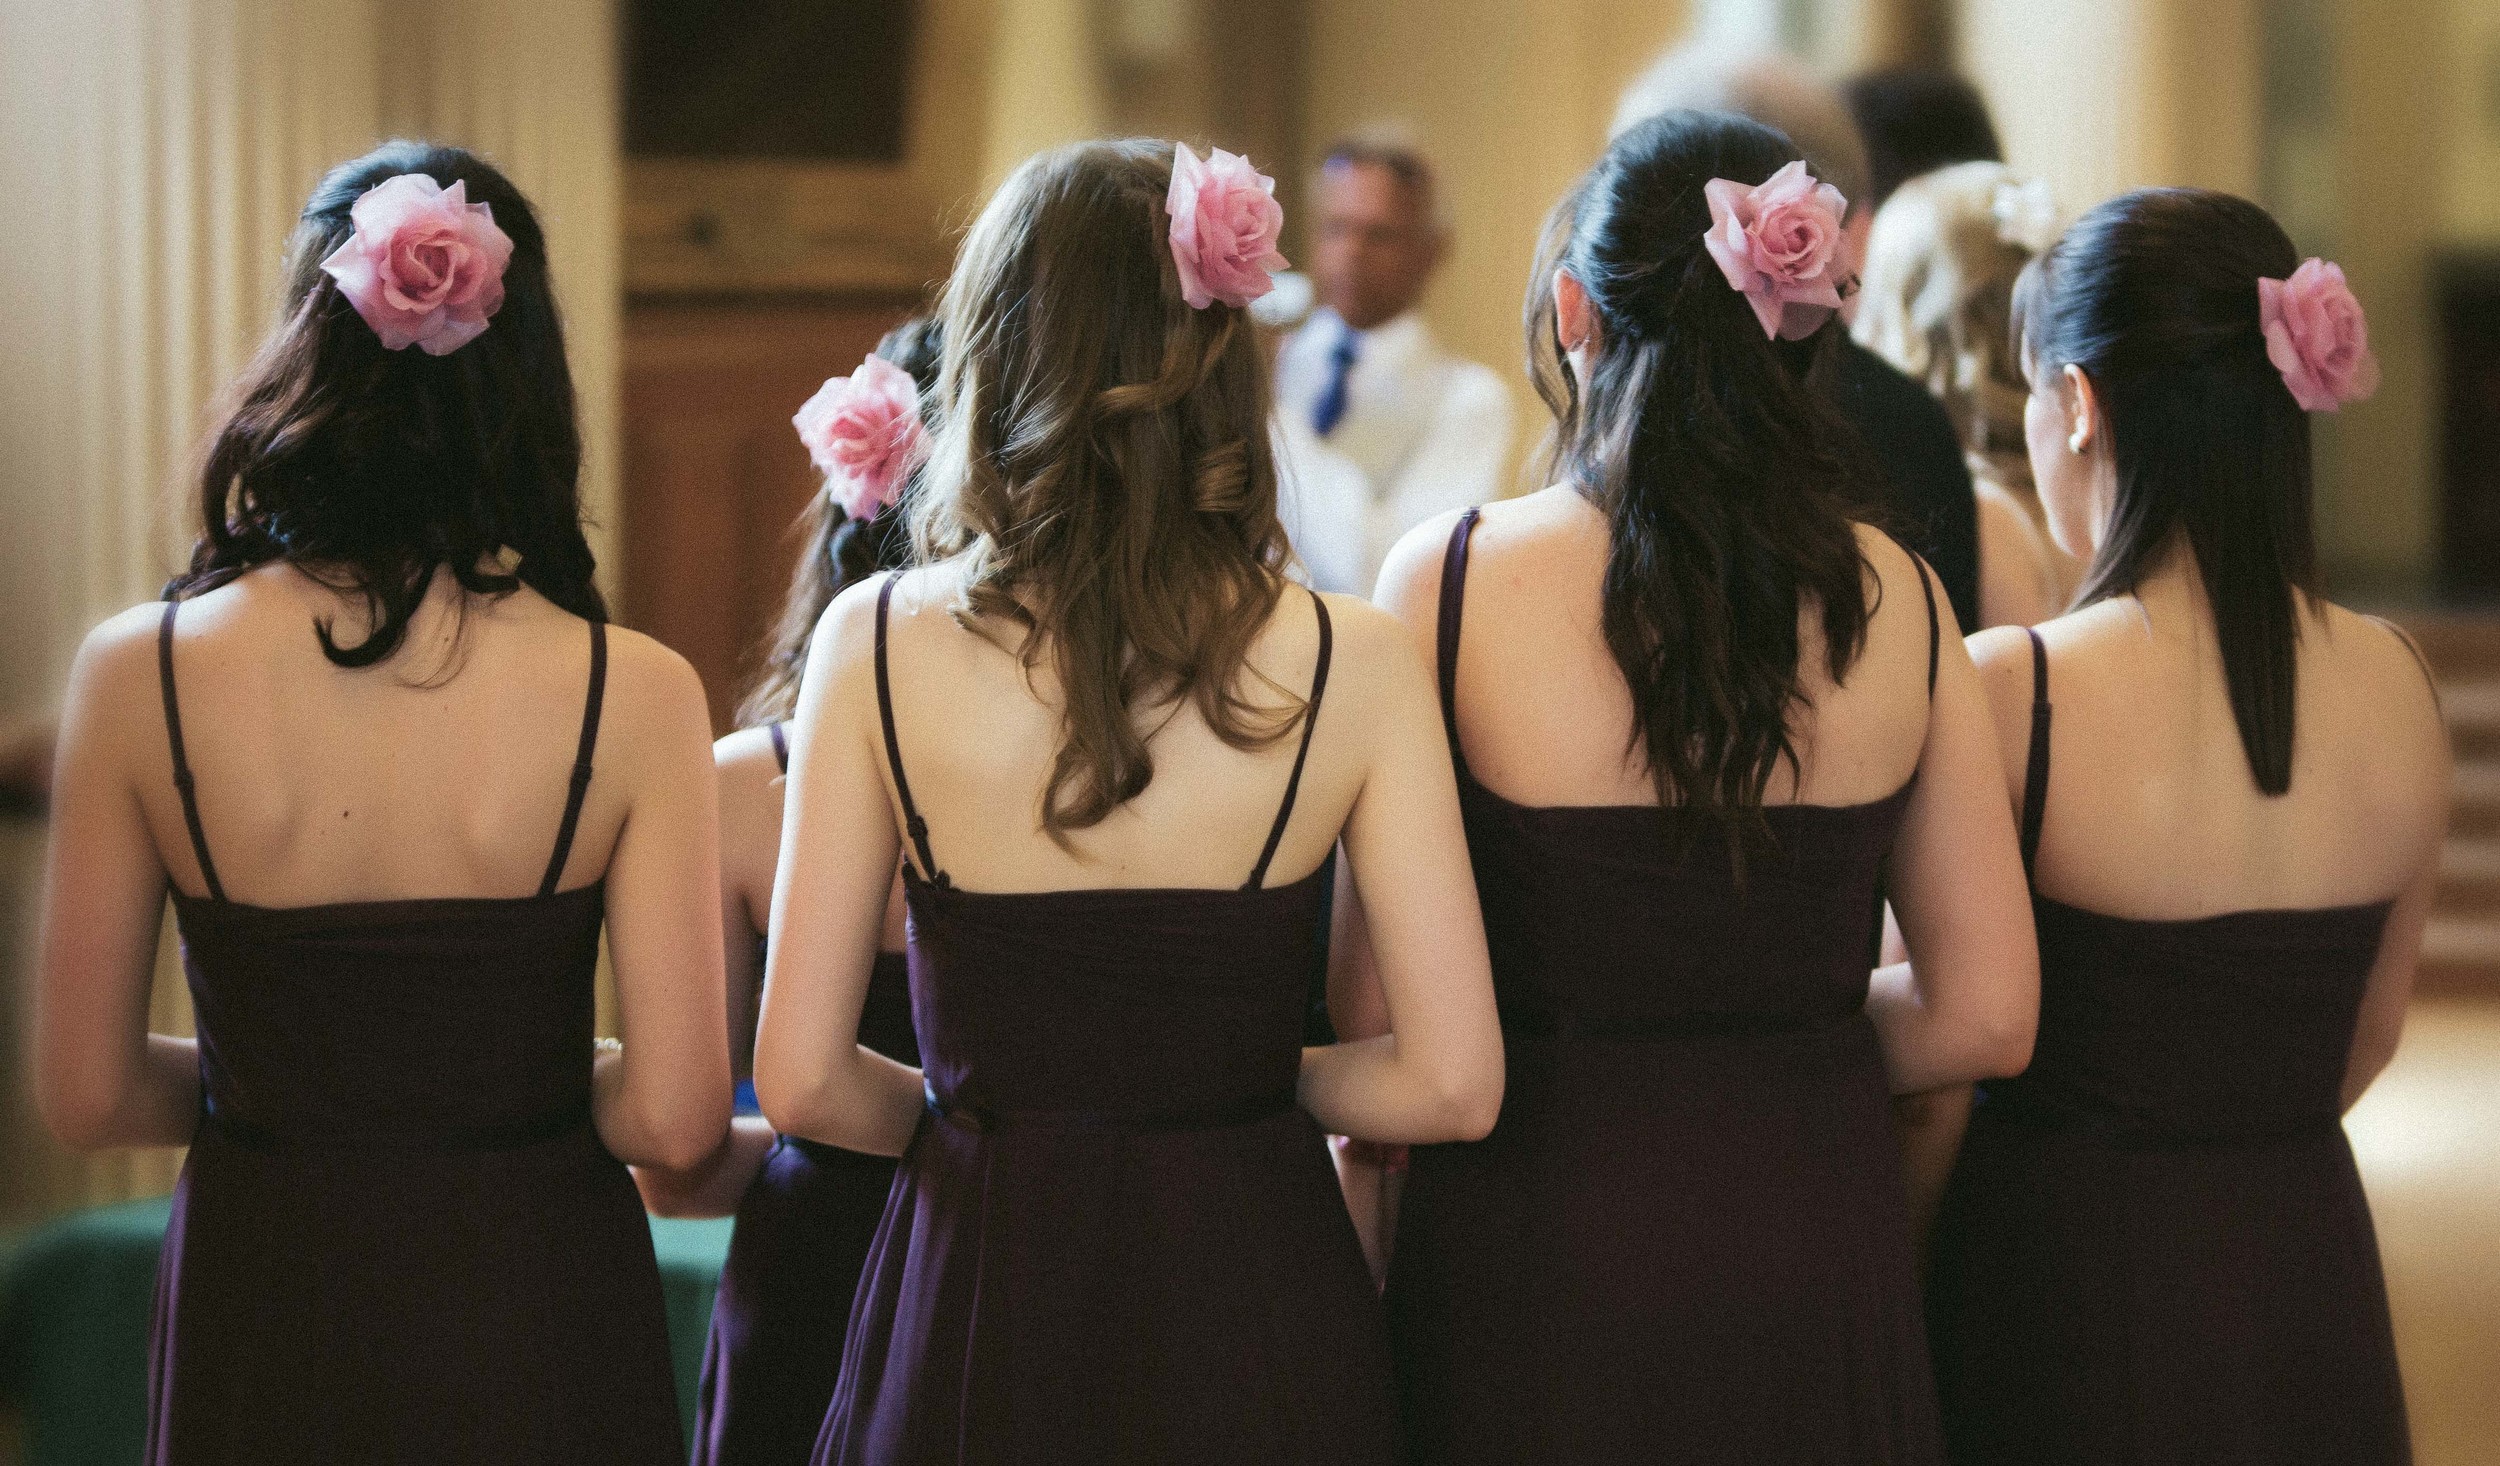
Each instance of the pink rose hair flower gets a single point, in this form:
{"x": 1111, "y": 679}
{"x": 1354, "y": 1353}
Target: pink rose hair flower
{"x": 864, "y": 432}
{"x": 1225, "y": 220}
{"x": 2317, "y": 337}
{"x": 1778, "y": 243}
{"x": 424, "y": 266}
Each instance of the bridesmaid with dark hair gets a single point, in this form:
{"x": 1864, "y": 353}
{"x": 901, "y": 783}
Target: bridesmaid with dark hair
{"x": 2155, "y": 1247}
{"x": 1703, "y": 723}
{"x": 1118, "y": 744}
{"x": 806, "y": 1211}
{"x": 399, "y": 774}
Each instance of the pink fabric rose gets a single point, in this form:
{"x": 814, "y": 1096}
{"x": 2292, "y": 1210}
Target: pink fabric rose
{"x": 1225, "y": 220}
{"x": 2316, "y": 337}
{"x": 863, "y": 431}
{"x": 424, "y": 266}
{"x": 1778, "y": 243}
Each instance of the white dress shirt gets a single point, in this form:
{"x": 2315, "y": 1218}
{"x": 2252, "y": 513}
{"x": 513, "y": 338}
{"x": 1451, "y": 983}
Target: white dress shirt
{"x": 1423, "y": 432}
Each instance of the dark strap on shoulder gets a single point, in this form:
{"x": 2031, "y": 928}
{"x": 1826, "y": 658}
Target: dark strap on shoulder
{"x": 1453, "y": 614}
{"x": 182, "y": 763}
{"x": 1935, "y": 631}
{"x": 781, "y": 746}
{"x": 913, "y": 824}
{"x": 2036, "y": 769}
{"x": 1310, "y": 720}
{"x": 597, "y": 698}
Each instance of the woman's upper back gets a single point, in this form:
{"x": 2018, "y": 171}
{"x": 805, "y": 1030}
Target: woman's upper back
{"x": 1605, "y": 912}
{"x": 445, "y": 771}
{"x": 976, "y": 734}
{"x": 1544, "y": 716}
{"x": 2148, "y": 809}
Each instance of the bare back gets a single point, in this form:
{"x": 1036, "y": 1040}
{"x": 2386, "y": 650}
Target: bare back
{"x": 1545, "y": 718}
{"x": 977, "y": 734}
{"x": 2151, "y": 810}
{"x": 444, "y": 771}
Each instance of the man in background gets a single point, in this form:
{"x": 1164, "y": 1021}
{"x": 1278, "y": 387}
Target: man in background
{"x": 1379, "y": 427}
{"x": 1929, "y": 503}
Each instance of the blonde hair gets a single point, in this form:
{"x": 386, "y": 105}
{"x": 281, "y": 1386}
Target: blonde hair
{"x": 1101, "y": 472}
{"x": 1937, "y": 300}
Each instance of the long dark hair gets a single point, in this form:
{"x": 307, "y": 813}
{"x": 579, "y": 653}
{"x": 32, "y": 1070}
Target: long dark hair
{"x": 1722, "y": 473}
{"x": 841, "y": 551}
{"x": 1101, "y": 468}
{"x": 369, "y": 469}
{"x": 2154, "y": 296}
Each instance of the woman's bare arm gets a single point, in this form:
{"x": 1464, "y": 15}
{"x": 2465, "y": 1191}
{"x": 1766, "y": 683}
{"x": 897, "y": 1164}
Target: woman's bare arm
{"x": 101, "y": 1078}
{"x": 812, "y": 1075}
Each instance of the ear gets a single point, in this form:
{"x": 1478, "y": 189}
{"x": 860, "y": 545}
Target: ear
{"x": 1575, "y": 320}
{"x": 2083, "y": 410}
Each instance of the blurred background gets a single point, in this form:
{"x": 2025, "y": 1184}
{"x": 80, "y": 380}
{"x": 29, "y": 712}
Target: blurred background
{"x": 742, "y": 194}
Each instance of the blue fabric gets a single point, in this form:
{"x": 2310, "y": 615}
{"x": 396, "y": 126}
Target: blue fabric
{"x": 1328, "y": 409}
{"x": 76, "y": 1296}
{"x": 743, "y": 1098}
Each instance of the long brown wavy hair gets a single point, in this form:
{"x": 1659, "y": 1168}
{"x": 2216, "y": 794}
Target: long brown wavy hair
{"x": 1101, "y": 472}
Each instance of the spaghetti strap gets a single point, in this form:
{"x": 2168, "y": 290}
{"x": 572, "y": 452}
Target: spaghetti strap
{"x": 581, "y": 758}
{"x": 183, "y": 784}
{"x": 1935, "y": 630}
{"x": 913, "y": 824}
{"x": 1453, "y": 613}
{"x": 2036, "y": 769}
{"x": 1310, "y": 720}
{"x": 2419, "y": 660}
{"x": 781, "y": 746}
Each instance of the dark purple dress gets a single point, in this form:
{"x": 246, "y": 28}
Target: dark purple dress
{"x": 398, "y": 1237}
{"x": 1115, "y": 1238}
{"x": 2155, "y": 1247}
{"x": 1688, "y": 1237}
{"x": 803, "y": 1233}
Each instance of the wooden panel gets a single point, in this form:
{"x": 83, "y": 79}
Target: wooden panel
{"x": 714, "y": 476}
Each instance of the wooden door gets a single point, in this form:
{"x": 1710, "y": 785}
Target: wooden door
{"x": 714, "y": 474}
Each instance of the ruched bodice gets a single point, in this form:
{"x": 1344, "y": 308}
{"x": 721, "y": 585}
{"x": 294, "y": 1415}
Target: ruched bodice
{"x": 479, "y": 1012}
{"x": 2226, "y": 1030}
{"x": 1609, "y": 920}
{"x": 1162, "y": 1007}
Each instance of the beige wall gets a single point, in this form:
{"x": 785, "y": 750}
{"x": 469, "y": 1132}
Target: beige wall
{"x": 1513, "y": 98}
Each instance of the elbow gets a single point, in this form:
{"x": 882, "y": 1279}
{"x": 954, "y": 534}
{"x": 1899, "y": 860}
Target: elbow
{"x": 1467, "y": 1106}
{"x": 690, "y": 1141}
{"x": 2002, "y": 1049}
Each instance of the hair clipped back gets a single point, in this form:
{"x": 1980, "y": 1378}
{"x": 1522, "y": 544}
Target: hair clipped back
{"x": 2154, "y": 296}
{"x": 370, "y": 469}
{"x": 1937, "y": 300}
{"x": 840, "y": 551}
{"x": 1722, "y": 474}
{"x": 1101, "y": 468}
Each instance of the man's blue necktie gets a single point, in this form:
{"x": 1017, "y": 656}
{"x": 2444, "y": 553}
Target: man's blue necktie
{"x": 1328, "y": 409}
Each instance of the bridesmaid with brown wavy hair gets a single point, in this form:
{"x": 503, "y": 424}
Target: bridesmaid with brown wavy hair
{"x": 1118, "y": 746}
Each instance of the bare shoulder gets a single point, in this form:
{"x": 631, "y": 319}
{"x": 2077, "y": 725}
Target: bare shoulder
{"x": 2387, "y": 676}
{"x": 113, "y": 683}
{"x": 120, "y": 648}
{"x": 1410, "y": 578}
{"x": 1368, "y": 639}
{"x": 745, "y": 759}
{"x": 646, "y": 677}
